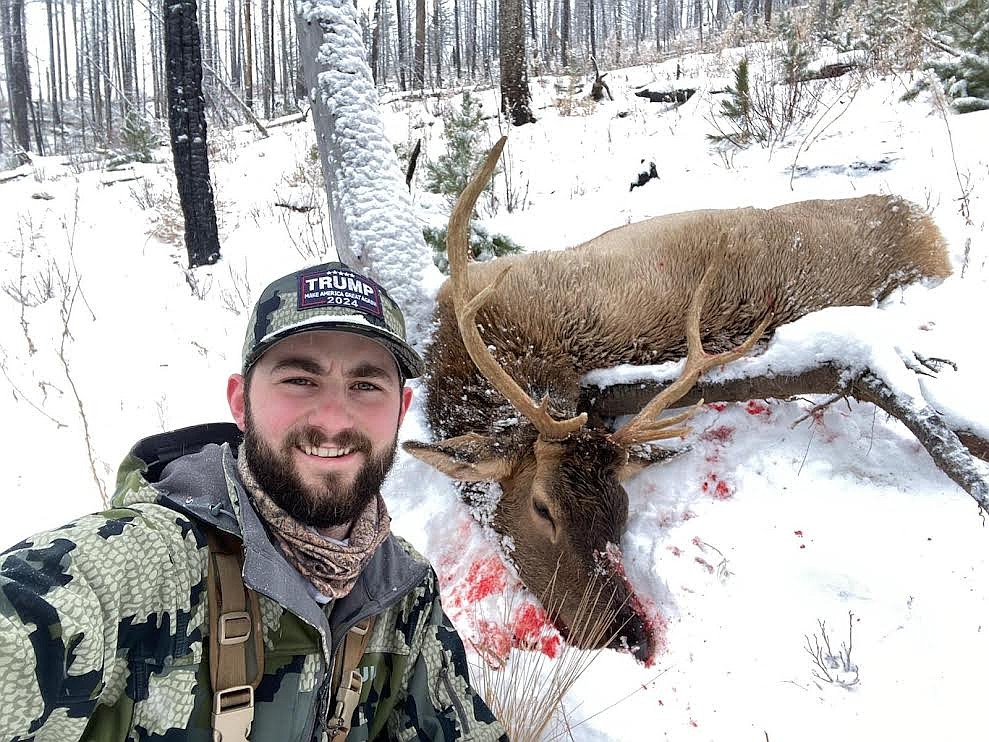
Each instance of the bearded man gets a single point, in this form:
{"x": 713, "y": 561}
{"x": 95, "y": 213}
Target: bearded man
{"x": 245, "y": 584}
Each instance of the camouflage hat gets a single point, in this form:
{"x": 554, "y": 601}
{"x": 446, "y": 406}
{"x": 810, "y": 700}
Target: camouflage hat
{"x": 328, "y": 297}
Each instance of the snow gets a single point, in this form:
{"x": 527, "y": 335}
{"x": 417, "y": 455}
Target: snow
{"x": 366, "y": 183}
{"x": 768, "y": 522}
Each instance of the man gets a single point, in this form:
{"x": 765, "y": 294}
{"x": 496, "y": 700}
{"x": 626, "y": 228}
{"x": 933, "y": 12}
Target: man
{"x": 132, "y": 624}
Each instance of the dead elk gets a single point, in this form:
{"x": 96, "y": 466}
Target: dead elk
{"x": 527, "y": 327}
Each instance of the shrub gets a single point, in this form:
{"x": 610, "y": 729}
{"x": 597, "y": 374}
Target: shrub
{"x": 483, "y": 245}
{"x": 464, "y": 129}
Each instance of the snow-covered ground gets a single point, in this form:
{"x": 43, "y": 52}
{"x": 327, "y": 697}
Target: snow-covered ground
{"x": 770, "y": 523}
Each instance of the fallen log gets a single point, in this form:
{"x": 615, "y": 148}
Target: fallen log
{"x": 953, "y": 451}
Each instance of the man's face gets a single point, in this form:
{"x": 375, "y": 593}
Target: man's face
{"x": 320, "y": 422}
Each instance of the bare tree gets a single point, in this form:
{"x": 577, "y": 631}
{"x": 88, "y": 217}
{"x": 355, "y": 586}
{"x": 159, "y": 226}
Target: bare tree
{"x": 515, "y": 96}
{"x": 187, "y": 126}
{"x": 12, "y": 28}
{"x": 419, "y": 71}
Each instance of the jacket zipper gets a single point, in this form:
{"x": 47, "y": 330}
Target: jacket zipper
{"x": 445, "y": 677}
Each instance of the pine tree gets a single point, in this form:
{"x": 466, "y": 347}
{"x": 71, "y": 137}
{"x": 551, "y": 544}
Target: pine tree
{"x": 737, "y": 109}
{"x": 965, "y": 28}
{"x": 464, "y": 128}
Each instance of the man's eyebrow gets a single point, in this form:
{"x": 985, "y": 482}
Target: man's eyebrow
{"x": 371, "y": 371}
{"x": 307, "y": 365}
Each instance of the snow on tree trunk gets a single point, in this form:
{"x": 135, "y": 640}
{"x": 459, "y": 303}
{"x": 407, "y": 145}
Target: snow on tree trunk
{"x": 371, "y": 213}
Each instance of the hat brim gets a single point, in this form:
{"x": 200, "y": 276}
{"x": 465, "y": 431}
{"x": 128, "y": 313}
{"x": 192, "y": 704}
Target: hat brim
{"x": 410, "y": 363}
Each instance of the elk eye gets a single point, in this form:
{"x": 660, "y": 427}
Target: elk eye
{"x": 541, "y": 510}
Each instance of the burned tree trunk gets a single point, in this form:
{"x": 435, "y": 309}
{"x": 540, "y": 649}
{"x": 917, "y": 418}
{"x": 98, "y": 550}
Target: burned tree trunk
{"x": 18, "y": 79}
{"x": 187, "y": 129}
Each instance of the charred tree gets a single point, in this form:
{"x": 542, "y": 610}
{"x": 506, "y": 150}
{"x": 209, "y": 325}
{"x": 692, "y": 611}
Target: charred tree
{"x": 18, "y": 77}
{"x": 187, "y": 129}
{"x": 515, "y": 96}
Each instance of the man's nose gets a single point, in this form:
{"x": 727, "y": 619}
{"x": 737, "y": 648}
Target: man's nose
{"x": 331, "y": 411}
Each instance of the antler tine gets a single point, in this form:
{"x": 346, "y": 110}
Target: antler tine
{"x": 457, "y": 243}
{"x": 645, "y": 427}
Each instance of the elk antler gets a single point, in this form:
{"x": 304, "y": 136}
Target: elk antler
{"x": 457, "y": 243}
{"x": 645, "y": 427}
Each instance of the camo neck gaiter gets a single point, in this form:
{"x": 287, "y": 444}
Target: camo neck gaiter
{"x": 332, "y": 567}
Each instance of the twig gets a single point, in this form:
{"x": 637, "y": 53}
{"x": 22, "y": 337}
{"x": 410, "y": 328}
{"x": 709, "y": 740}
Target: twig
{"x": 813, "y": 134}
{"x": 815, "y": 409}
{"x": 928, "y": 39}
{"x": 68, "y": 302}
{"x": 964, "y": 208}
{"x": 624, "y": 698}
{"x": 17, "y": 391}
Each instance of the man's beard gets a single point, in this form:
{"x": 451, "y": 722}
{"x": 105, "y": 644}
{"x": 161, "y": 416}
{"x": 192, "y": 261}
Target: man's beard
{"x": 330, "y": 503}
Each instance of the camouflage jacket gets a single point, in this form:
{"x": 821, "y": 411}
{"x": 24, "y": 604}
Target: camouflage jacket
{"x": 102, "y": 621}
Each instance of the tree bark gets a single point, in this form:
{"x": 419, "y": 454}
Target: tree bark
{"x": 403, "y": 46}
{"x": 187, "y": 128}
{"x": 18, "y": 74}
{"x": 248, "y": 56}
{"x": 515, "y": 96}
{"x": 419, "y": 69}
{"x": 564, "y": 33}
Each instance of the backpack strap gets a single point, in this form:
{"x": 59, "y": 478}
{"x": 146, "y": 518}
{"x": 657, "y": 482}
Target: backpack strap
{"x": 235, "y": 639}
{"x": 347, "y": 680}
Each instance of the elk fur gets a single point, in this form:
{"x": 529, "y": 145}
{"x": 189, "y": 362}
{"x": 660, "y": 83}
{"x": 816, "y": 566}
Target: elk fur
{"x": 622, "y": 296}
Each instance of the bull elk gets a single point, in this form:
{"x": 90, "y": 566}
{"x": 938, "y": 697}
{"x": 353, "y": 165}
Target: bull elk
{"x": 527, "y": 327}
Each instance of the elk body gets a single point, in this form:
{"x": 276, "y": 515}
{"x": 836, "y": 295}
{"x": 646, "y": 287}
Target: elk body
{"x": 527, "y": 327}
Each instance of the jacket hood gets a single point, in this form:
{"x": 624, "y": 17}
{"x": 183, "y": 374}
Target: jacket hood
{"x": 194, "y": 471}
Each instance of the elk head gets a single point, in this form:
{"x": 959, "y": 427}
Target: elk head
{"x": 563, "y": 505}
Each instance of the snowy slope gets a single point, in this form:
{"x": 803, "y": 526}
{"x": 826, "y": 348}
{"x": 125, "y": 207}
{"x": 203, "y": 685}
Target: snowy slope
{"x": 766, "y": 526}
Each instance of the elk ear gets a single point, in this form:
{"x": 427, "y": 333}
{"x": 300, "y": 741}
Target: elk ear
{"x": 469, "y": 458}
{"x": 643, "y": 457}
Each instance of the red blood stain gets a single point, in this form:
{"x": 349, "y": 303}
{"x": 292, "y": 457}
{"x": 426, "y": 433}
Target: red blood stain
{"x": 719, "y": 434}
{"x": 495, "y": 641}
{"x": 705, "y": 564}
{"x": 754, "y": 407}
{"x": 803, "y": 546}
{"x": 718, "y": 406}
{"x": 687, "y": 515}
{"x": 696, "y": 541}
{"x": 716, "y": 486}
{"x": 531, "y": 629}
{"x": 484, "y": 578}
{"x": 798, "y": 533}
{"x": 693, "y": 723}
{"x": 676, "y": 550}
{"x": 653, "y": 621}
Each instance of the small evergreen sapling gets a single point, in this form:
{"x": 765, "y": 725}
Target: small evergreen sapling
{"x": 464, "y": 151}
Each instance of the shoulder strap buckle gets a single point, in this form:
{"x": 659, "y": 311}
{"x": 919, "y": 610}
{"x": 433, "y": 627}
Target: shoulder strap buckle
{"x": 233, "y": 713}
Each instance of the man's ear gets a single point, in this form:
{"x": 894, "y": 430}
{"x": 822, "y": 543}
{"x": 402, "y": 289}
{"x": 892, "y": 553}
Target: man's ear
{"x": 406, "y": 401}
{"x": 236, "y": 389}
{"x": 469, "y": 458}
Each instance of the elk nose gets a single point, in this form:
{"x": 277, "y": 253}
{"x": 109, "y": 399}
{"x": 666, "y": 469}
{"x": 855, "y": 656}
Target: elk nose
{"x": 631, "y": 633}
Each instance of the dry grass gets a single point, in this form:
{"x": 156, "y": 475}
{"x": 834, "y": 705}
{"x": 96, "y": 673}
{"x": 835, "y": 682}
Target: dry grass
{"x": 526, "y": 690}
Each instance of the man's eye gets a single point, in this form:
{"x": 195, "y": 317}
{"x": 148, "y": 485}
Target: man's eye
{"x": 366, "y": 386}
{"x": 298, "y": 381}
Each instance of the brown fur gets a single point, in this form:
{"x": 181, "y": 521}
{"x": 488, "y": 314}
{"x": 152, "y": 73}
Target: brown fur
{"x": 622, "y": 297}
